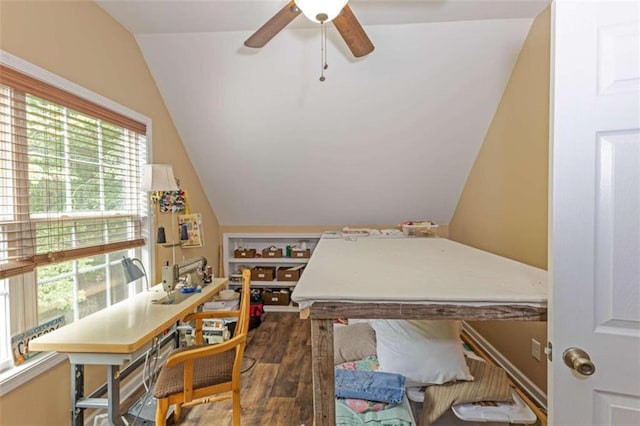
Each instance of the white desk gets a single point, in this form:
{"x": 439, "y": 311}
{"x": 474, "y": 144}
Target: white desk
{"x": 407, "y": 278}
{"x": 115, "y": 336}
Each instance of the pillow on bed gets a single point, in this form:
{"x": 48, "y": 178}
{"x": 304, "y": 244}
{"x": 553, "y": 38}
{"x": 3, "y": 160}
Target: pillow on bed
{"x": 426, "y": 352}
{"x": 353, "y": 342}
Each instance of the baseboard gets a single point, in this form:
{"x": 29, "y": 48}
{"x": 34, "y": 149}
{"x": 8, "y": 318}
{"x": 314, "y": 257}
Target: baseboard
{"x": 527, "y": 386}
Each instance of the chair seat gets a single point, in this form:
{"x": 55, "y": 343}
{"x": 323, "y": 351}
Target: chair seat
{"x": 207, "y": 371}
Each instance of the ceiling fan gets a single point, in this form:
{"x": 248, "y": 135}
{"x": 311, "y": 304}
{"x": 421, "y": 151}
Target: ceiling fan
{"x": 321, "y": 11}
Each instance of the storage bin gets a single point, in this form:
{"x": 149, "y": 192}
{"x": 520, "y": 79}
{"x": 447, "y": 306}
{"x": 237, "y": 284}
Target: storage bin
{"x": 246, "y": 253}
{"x": 272, "y": 252}
{"x": 419, "y": 229}
{"x": 286, "y": 273}
{"x": 500, "y": 414}
{"x": 275, "y": 296}
{"x": 263, "y": 273}
{"x": 298, "y": 253}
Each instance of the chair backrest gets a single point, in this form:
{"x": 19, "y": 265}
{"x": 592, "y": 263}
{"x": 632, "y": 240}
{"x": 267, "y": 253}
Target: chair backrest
{"x": 242, "y": 327}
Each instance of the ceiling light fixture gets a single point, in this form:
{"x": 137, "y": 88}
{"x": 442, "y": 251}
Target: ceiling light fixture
{"x": 321, "y": 10}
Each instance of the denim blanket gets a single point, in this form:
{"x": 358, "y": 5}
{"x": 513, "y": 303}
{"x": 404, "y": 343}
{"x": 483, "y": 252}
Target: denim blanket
{"x": 371, "y": 385}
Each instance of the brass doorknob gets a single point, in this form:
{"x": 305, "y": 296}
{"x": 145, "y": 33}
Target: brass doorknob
{"x": 579, "y": 360}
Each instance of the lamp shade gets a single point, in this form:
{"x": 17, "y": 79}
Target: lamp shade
{"x": 131, "y": 271}
{"x": 158, "y": 177}
{"x": 313, "y": 8}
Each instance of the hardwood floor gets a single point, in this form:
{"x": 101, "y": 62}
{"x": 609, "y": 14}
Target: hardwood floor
{"x": 277, "y": 385}
{"x": 276, "y": 390}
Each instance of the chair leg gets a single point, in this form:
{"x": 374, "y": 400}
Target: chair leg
{"x": 237, "y": 410}
{"x": 161, "y": 411}
{"x": 177, "y": 409}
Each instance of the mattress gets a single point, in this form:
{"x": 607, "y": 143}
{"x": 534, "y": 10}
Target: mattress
{"x": 416, "y": 270}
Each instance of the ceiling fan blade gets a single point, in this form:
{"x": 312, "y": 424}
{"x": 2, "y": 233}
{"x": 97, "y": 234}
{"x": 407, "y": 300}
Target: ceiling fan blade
{"x": 352, "y": 33}
{"x": 273, "y": 26}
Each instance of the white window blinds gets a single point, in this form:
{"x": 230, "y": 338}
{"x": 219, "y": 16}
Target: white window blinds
{"x": 70, "y": 175}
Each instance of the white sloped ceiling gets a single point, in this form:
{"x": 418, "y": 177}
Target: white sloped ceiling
{"x": 385, "y": 138}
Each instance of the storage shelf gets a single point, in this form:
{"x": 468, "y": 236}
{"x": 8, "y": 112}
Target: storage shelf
{"x": 258, "y": 242}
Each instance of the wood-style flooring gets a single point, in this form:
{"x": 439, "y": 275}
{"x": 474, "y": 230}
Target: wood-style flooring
{"x": 277, "y": 389}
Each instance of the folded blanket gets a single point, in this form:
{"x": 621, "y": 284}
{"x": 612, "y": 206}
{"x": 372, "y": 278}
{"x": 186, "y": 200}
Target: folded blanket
{"x": 491, "y": 384}
{"x": 371, "y": 385}
{"x": 398, "y": 415}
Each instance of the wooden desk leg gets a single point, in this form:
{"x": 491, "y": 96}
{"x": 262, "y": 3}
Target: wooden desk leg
{"x": 324, "y": 409}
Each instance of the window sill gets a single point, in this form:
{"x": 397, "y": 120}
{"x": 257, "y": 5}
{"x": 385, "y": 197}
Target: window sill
{"x": 18, "y": 376}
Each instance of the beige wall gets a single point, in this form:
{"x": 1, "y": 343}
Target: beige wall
{"x": 78, "y": 41}
{"x": 503, "y": 207}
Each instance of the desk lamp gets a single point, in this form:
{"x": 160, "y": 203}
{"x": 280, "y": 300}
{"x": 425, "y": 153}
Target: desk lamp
{"x": 132, "y": 272}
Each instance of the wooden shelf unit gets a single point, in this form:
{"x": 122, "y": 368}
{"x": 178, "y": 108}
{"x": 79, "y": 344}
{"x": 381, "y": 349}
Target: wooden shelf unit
{"x": 259, "y": 241}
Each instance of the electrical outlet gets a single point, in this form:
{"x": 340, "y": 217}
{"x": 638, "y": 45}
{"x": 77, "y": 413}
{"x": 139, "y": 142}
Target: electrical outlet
{"x": 535, "y": 349}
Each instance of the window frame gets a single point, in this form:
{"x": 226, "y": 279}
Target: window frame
{"x": 23, "y": 288}
{"x": 5, "y": 331}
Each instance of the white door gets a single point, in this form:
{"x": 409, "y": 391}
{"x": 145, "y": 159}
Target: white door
{"x": 595, "y": 211}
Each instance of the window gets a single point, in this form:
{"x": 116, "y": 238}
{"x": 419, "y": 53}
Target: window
{"x": 81, "y": 287}
{"x": 70, "y": 203}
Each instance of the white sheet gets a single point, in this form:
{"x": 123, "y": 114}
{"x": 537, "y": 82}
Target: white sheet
{"x": 416, "y": 270}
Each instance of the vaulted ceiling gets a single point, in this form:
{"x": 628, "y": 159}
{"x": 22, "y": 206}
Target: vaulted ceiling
{"x": 386, "y": 138}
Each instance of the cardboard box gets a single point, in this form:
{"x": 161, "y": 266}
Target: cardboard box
{"x": 275, "y": 297}
{"x": 246, "y": 253}
{"x": 285, "y": 274}
{"x": 263, "y": 273}
{"x": 300, "y": 253}
{"x": 268, "y": 252}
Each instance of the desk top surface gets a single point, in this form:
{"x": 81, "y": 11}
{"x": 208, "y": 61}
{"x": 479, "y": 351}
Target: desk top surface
{"x": 416, "y": 270}
{"x": 126, "y": 326}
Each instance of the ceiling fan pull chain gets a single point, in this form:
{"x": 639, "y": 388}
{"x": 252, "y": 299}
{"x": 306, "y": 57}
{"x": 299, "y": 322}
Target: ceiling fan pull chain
{"x": 323, "y": 50}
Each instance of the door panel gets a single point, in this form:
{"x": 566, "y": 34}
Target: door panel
{"x": 615, "y": 409}
{"x": 617, "y": 257}
{"x": 595, "y": 211}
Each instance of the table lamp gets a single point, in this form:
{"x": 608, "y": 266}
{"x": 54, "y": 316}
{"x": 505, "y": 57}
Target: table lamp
{"x": 158, "y": 178}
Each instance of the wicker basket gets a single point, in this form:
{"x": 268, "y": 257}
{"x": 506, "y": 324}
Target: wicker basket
{"x": 419, "y": 230}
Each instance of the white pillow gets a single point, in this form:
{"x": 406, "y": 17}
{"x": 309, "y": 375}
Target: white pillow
{"x": 424, "y": 351}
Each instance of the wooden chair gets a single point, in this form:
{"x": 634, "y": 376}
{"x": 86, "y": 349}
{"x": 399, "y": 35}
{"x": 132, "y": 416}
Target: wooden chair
{"x": 200, "y": 373}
